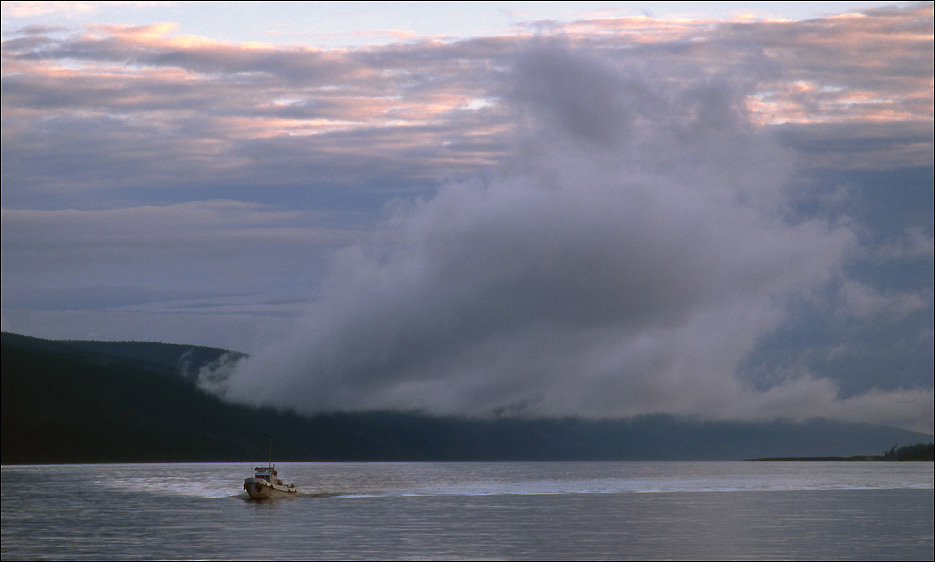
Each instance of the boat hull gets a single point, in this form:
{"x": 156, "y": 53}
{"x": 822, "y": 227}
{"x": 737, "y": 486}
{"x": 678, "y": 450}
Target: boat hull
{"x": 259, "y": 489}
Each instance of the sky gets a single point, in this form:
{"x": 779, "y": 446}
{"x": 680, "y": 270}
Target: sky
{"x": 714, "y": 210}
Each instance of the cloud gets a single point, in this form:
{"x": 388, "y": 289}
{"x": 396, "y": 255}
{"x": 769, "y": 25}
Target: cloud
{"x": 915, "y": 245}
{"x": 625, "y": 261}
{"x": 219, "y": 273}
{"x": 863, "y": 302}
{"x": 110, "y": 106}
{"x": 611, "y": 187}
{"x": 115, "y": 258}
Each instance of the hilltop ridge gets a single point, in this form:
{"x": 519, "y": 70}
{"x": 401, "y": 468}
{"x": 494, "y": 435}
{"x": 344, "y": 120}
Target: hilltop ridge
{"x": 86, "y": 401}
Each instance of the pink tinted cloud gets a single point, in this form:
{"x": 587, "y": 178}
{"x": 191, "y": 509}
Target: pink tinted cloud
{"x": 206, "y": 94}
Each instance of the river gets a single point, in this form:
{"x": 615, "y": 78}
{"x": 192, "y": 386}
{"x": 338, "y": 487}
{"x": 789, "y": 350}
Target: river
{"x": 499, "y": 510}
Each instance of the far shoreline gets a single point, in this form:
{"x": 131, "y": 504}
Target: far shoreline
{"x": 910, "y": 453}
{"x": 835, "y": 459}
{"x": 858, "y": 458}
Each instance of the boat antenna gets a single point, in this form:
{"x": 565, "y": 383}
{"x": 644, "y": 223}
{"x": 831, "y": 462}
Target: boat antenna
{"x": 270, "y": 461}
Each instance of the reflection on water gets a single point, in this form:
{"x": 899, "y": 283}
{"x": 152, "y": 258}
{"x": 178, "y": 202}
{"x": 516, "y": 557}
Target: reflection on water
{"x": 473, "y": 510}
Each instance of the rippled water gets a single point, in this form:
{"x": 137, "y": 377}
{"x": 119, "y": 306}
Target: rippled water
{"x": 569, "y": 510}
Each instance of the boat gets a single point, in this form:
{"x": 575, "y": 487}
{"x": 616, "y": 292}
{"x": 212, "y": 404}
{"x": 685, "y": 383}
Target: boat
{"x": 265, "y": 483}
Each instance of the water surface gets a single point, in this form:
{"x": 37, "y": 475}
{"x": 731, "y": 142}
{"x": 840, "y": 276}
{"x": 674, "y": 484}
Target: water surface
{"x": 529, "y": 511}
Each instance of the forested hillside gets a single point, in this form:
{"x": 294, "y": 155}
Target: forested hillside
{"x": 65, "y": 402}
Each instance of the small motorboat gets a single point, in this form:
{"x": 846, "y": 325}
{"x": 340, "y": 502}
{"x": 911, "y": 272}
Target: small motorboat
{"x": 266, "y": 484}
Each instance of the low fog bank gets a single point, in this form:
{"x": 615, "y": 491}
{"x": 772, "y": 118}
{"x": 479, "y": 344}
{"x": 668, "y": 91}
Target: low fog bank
{"x": 632, "y": 252}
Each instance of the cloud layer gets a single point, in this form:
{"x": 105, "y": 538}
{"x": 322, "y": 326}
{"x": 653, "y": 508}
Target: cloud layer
{"x": 601, "y": 217}
{"x": 627, "y": 259}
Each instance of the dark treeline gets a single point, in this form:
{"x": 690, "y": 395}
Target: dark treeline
{"x": 68, "y": 402}
{"x": 917, "y": 452}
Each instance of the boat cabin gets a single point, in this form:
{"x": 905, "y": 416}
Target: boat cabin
{"x": 266, "y": 473}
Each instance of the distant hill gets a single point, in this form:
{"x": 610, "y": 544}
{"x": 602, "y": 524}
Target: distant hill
{"x": 81, "y": 401}
{"x": 165, "y": 358}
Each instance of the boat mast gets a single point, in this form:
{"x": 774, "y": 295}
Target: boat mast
{"x": 269, "y": 462}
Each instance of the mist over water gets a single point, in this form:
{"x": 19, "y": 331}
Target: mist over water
{"x": 631, "y": 251}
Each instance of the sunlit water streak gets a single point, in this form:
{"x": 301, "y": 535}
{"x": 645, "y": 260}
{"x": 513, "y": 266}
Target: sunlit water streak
{"x": 569, "y": 510}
